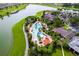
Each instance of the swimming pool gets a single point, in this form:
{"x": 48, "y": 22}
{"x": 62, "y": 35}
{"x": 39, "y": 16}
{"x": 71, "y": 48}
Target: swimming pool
{"x": 36, "y": 31}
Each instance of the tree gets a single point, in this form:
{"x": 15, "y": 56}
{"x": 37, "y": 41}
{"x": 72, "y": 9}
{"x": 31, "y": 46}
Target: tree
{"x": 8, "y": 14}
{"x": 67, "y": 5}
{"x": 1, "y": 17}
{"x": 16, "y": 6}
{"x": 74, "y": 20}
{"x": 50, "y": 49}
{"x": 30, "y": 19}
{"x": 76, "y": 5}
{"x": 77, "y": 34}
{"x": 32, "y": 52}
{"x": 55, "y": 13}
{"x": 57, "y": 22}
{"x": 44, "y": 50}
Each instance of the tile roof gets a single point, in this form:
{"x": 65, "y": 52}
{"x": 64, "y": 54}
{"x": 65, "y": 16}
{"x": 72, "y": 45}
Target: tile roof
{"x": 46, "y": 41}
{"x": 74, "y": 44}
{"x": 49, "y": 16}
{"x": 62, "y": 31}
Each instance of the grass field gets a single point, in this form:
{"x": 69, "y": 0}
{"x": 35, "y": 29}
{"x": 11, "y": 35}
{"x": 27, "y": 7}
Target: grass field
{"x": 19, "y": 43}
{"x": 39, "y": 14}
{"x": 68, "y": 53}
{"x": 58, "y": 52}
{"x": 58, "y": 6}
{"x": 8, "y": 10}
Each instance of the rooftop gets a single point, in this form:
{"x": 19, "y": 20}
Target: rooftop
{"x": 49, "y": 16}
{"x": 46, "y": 41}
{"x": 74, "y": 44}
{"x": 63, "y": 32}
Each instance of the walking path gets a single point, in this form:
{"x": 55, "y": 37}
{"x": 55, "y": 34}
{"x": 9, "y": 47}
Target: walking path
{"x": 26, "y": 38}
{"x": 62, "y": 50}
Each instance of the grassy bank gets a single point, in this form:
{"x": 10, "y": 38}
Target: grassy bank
{"x": 50, "y": 5}
{"x": 58, "y": 6}
{"x": 68, "y": 53}
{"x": 8, "y": 10}
{"x": 19, "y": 45}
{"x": 58, "y": 52}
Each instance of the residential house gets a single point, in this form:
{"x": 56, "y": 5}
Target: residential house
{"x": 65, "y": 17}
{"x": 68, "y": 34}
{"x": 49, "y": 16}
{"x": 74, "y": 44}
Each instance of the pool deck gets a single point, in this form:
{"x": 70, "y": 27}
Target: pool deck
{"x": 35, "y": 30}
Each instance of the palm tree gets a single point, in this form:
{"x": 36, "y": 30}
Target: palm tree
{"x": 50, "y": 49}
{"x": 1, "y": 17}
{"x": 8, "y": 14}
{"x": 16, "y": 6}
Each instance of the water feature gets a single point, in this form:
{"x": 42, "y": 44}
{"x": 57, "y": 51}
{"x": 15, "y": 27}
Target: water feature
{"x": 36, "y": 27}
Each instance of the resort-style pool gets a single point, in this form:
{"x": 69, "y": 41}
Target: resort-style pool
{"x": 36, "y": 31}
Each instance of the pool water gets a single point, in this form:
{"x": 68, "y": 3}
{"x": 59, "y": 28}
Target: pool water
{"x": 36, "y": 27}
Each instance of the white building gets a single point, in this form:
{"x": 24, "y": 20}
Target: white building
{"x": 74, "y": 44}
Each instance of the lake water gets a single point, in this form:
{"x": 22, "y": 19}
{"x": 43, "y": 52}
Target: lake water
{"x": 6, "y": 37}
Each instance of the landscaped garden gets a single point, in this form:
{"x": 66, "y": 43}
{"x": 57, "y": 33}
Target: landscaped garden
{"x": 49, "y": 20}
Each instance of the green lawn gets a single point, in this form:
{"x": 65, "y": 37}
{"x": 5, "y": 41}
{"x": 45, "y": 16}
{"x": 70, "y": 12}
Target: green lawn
{"x": 68, "y": 53}
{"x": 66, "y": 27}
{"x": 58, "y": 6}
{"x": 19, "y": 43}
{"x": 58, "y": 52}
{"x": 49, "y": 5}
{"x": 6, "y": 11}
{"x": 39, "y": 14}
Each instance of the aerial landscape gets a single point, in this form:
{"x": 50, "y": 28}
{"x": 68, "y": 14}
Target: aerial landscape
{"x": 44, "y": 29}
